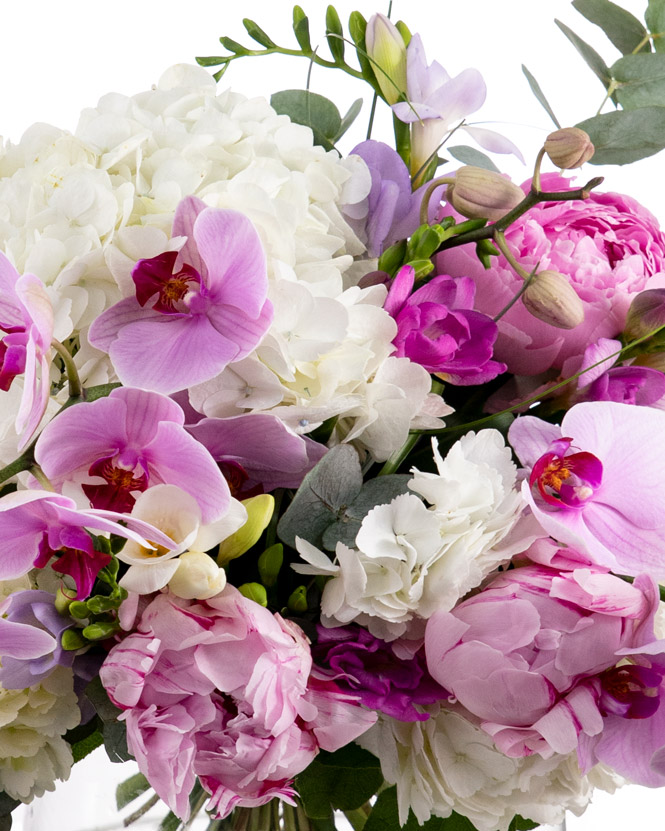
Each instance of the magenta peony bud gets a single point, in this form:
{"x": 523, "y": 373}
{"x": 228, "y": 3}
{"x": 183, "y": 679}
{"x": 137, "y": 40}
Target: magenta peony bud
{"x": 569, "y": 147}
{"x": 478, "y": 193}
{"x": 550, "y": 297}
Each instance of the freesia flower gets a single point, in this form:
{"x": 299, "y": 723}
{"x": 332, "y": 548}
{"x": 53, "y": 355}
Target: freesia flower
{"x": 26, "y": 330}
{"x": 595, "y": 482}
{"x": 199, "y": 309}
{"x": 35, "y": 525}
{"x": 438, "y": 329}
{"x": 118, "y": 446}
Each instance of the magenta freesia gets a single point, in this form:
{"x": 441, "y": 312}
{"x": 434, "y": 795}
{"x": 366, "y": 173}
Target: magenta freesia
{"x": 574, "y": 665}
{"x": 595, "y": 482}
{"x": 198, "y": 309}
{"x": 609, "y": 247}
{"x": 118, "y": 446}
{"x": 438, "y": 328}
{"x": 223, "y": 690}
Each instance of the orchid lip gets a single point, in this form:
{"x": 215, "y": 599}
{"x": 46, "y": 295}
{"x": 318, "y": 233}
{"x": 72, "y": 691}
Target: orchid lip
{"x": 566, "y": 480}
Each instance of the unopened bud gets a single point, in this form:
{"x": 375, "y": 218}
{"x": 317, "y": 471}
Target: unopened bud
{"x": 646, "y": 314}
{"x": 270, "y": 563}
{"x": 387, "y": 51}
{"x": 255, "y": 592}
{"x": 259, "y": 512}
{"x": 63, "y": 599}
{"x": 479, "y": 193}
{"x": 197, "y": 577}
{"x": 71, "y": 640}
{"x": 569, "y": 147}
{"x": 297, "y": 601}
{"x": 550, "y": 297}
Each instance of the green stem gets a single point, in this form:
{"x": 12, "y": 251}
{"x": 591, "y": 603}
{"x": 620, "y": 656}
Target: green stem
{"x": 372, "y": 111}
{"x": 357, "y": 818}
{"x": 132, "y": 818}
{"x": 433, "y": 185}
{"x": 75, "y": 388}
{"x": 535, "y": 181}
{"x": 40, "y": 476}
{"x": 502, "y": 245}
{"x": 512, "y": 301}
{"x": 630, "y": 579}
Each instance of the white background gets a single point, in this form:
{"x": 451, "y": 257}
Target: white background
{"x": 58, "y": 57}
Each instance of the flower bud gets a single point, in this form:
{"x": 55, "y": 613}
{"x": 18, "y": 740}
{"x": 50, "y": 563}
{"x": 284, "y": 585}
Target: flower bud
{"x": 259, "y": 511}
{"x": 646, "y": 313}
{"x": 270, "y": 563}
{"x": 478, "y": 193}
{"x": 569, "y": 147}
{"x": 255, "y": 592}
{"x": 550, "y": 297}
{"x": 387, "y": 50}
{"x": 198, "y": 577}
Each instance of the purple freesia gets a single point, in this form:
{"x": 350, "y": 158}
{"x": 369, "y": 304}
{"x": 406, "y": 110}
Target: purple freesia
{"x": 438, "y": 328}
{"x": 35, "y": 525}
{"x": 121, "y": 445}
{"x": 265, "y": 449}
{"x": 573, "y": 665}
{"x": 596, "y": 482}
{"x": 369, "y": 668}
{"x": 209, "y": 304}
{"x": 26, "y": 317}
{"x": 33, "y": 610}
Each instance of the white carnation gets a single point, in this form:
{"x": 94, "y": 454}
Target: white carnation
{"x": 32, "y": 723}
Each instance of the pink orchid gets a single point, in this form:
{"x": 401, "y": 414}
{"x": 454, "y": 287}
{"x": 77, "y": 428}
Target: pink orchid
{"x": 209, "y": 304}
{"x": 35, "y": 525}
{"x": 596, "y": 482}
{"x": 27, "y": 318}
{"x": 118, "y": 446}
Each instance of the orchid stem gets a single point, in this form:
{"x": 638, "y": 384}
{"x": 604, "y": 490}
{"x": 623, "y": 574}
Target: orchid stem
{"x": 513, "y": 300}
{"x": 535, "y": 181}
{"x": 40, "y": 476}
{"x": 75, "y": 388}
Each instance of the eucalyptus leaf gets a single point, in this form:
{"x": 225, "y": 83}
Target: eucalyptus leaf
{"x": 322, "y": 497}
{"x": 378, "y": 491}
{"x": 655, "y": 19}
{"x": 591, "y": 57}
{"x": 469, "y": 155}
{"x": 234, "y": 46}
{"x": 385, "y": 817}
{"x": 98, "y": 697}
{"x": 86, "y": 745}
{"x": 115, "y": 741}
{"x": 312, "y": 110}
{"x": 641, "y": 80}
{"x": 350, "y": 117}
{"x": 623, "y": 29}
{"x": 540, "y": 96}
{"x": 335, "y": 35}
{"x": 257, "y": 33}
{"x": 626, "y": 135}
{"x": 130, "y": 789}
{"x": 301, "y": 29}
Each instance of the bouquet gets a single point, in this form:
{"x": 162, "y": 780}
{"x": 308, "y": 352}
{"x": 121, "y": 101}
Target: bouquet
{"x": 334, "y": 484}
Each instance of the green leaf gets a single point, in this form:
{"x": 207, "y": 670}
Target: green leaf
{"x": 350, "y": 117}
{"x": 7, "y": 804}
{"x": 641, "y": 80}
{"x": 334, "y": 784}
{"x": 100, "y": 391}
{"x": 6, "y": 822}
{"x": 335, "y": 35}
{"x": 322, "y": 497}
{"x": 115, "y": 741}
{"x": 540, "y": 95}
{"x": 385, "y": 817}
{"x": 85, "y": 746}
{"x": 655, "y": 19}
{"x": 234, "y": 46}
{"x": 626, "y": 135}
{"x": 257, "y": 33}
{"x": 312, "y": 110}
{"x": 518, "y": 823}
{"x": 301, "y": 29}
{"x": 130, "y": 789}
{"x": 351, "y": 755}
{"x": 624, "y": 30}
{"x": 591, "y": 57}
{"x": 469, "y": 155}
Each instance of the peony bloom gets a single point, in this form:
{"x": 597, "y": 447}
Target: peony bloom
{"x": 609, "y": 247}
{"x": 199, "y": 309}
{"x": 596, "y": 482}
{"x": 116, "y": 447}
{"x": 223, "y": 690}
{"x": 438, "y": 329}
{"x": 575, "y": 655}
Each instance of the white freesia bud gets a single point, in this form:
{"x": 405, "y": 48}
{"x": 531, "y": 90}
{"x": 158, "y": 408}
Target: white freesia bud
{"x": 198, "y": 577}
{"x": 387, "y": 50}
{"x": 551, "y": 298}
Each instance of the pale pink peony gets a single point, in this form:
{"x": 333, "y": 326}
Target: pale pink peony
{"x": 609, "y": 246}
{"x": 222, "y": 689}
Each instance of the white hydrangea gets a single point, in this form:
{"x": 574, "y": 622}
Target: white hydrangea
{"x": 32, "y": 722}
{"x": 448, "y": 764}
{"x": 410, "y": 559}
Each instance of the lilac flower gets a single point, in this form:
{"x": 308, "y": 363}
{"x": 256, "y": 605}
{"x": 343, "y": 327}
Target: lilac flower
{"x": 35, "y": 525}
{"x": 118, "y": 446}
{"x": 33, "y": 610}
{"x": 596, "y": 482}
{"x": 209, "y": 304}
{"x": 370, "y": 668}
{"x": 438, "y": 329}
{"x": 27, "y": 318}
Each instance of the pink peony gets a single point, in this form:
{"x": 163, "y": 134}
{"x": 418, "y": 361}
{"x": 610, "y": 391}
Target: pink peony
{"x": 573, "y": 665}
{"x": 222, "y": 689}
{"x": 609, "y": 246}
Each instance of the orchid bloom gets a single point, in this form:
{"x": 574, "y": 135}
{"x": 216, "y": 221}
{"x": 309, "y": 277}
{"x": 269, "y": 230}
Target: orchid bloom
{"x": 26, "y": 331}
{"x": 199, "y": 309}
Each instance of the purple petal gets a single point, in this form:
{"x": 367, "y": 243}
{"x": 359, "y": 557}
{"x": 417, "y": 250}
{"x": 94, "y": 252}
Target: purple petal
{"x": 494, "y": 142}
{"x": 18, "y": 640}
{"x": 186, "y": 214}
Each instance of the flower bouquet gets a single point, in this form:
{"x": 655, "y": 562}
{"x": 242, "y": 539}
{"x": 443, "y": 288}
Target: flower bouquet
{"x": 332, "y": 485}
